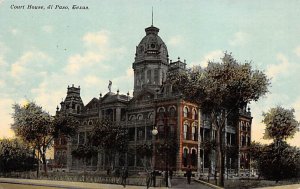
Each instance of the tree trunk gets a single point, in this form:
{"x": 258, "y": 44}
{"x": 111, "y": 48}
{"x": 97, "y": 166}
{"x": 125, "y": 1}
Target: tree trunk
{"x": 44, "y": 163}
{"x": 38, "y": 165}
{"x": 220, "y": 155}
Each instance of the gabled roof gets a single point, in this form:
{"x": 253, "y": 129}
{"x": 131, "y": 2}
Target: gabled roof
{"x": 112, "y": 97}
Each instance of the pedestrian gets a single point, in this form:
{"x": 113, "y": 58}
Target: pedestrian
{"x": 171, "y": 174}
{"x": 189, "y": 175}
{"x": 124, "y": 176}
{"x": 148, "y": 179}
{"x": 154, "y": 178}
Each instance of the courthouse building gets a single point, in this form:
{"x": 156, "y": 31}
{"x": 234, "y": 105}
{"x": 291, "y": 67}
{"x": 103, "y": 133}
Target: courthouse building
{"x": 154, "y": 104}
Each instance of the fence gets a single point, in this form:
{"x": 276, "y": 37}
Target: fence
{"x": 92, "y": 177}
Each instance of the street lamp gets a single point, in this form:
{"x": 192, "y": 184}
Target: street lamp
{"x": 155, "y": 132}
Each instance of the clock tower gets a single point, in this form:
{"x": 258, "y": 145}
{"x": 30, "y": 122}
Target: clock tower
{"x": 151, "y": 62}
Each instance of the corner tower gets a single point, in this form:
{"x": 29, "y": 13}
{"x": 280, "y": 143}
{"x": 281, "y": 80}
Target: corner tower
{"x": 151, "y": 62}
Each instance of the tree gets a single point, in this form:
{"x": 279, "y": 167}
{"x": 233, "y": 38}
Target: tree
{"x": 276, "y": 162}
{"x": 111, "y": 137}
{"x": 84, "y": 152}
{"x": 209, "y": 146}
{"x": 279, "y": 160}
{"x": 280, "y": 124}
{"x": 220, "y": 89}
{"x": 16, "y": 156}
{"x": 38, "y": 128}
{"x": 145, "y": 150}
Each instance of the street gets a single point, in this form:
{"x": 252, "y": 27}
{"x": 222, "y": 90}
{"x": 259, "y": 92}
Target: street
{"x": 182, "y": 183}
{"x": 9, "y": 183}
{"x": 21, "y": 186}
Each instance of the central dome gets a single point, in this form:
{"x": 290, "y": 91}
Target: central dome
{"x": 151, "y": 47}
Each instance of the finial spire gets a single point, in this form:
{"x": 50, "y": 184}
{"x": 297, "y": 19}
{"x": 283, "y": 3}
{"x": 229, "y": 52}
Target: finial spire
{"x": 152, "y": 16}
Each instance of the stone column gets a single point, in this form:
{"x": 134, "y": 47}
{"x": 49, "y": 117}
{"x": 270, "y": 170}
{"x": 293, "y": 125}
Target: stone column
{"x": 69, "y": 155}
{"x": 118, "y": 114}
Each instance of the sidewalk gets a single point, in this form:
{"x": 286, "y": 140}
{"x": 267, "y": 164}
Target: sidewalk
{"x": 292, "y": 186}
{"x": 65, "y": 184}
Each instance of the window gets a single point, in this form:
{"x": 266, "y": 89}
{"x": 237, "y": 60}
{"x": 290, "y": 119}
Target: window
{"x": 185, "y": 111}
{"x": 185, "y": 157}
{"x": 140, "y": 117}
{"x": 194, "y": 157}
{"x": 149, "y": 76}
{"x": 150, "y": 116}
{"x": 194, "y": 132}
{"x": 161, "y": 112}
{"x": 156, "y": 78}
{"x": 185, "y": 130}
{"x": 131, "y": 134}
{"x": 194, "y": 114}
{"x": 172, "y": 112}
{"x": 141, "y": 133}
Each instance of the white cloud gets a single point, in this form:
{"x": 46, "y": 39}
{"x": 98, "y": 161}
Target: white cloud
{"x": 175, "y": 40}
{"x": 297, "y": 51}
{"x": 77, "y": 62}
{"x": 47, "y": 29}
{"x": 274, "y": 70}
{"x": 239, "y": 39}
{"x": 92, "y": 80}
{"x": 14, "y": 31}
{"x": 97, "y": 39}
{"x": 31, "y": 63}
{"x": 97, "y": 50}
{"x": 48, "y": 96}
{"x": 210, "y": 56}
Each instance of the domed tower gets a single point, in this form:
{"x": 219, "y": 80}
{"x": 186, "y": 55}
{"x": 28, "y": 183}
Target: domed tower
{"x": 151, "y": 62}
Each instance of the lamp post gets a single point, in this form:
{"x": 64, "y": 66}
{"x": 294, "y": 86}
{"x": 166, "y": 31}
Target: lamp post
{"x": 154, "y": 133}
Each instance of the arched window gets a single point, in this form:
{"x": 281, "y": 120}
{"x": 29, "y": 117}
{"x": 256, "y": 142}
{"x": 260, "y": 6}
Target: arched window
{"x": 172, "y": 112}
{"x": 185, "y": 111}
{"x": 194, "y": 157}
{"x": 150, "y": 116}
{"x": 140, "y": 117}
{"x": 161, "y": 112}
{"x": 132, "y": 117}
{"x": 195, "y": 116}
{"x": 185, "y": 131}
{"x": 194, "y": 132}
{"x": 185, "y": 157}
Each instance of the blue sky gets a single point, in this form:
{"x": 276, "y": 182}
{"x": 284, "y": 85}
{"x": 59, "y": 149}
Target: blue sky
{"x": 44, "y": 51}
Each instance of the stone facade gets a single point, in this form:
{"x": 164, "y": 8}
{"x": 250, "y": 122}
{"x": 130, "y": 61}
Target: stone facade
{"x": 154, "y": 105}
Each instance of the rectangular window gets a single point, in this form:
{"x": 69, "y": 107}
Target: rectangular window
{"x": 131, "y": 134}
{"x": 149, "y": 77}
{"x": 156, "y": 77}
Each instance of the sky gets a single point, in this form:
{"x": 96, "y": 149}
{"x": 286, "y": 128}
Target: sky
{"x": 44, "y": 51}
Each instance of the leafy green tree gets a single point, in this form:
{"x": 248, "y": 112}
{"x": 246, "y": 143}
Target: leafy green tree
{"x": 209, "y": 146}
{"x": 276, "y": 162}
{"x": 220, "y": 89}
{"x": 38, "y": 128}
{"x": 145, "y": 150}
{"x": 280, "y": 124}
{"x": 110, "y": 137}
{"x": 16, "y": 156}
{"x": 84, "y": 152}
